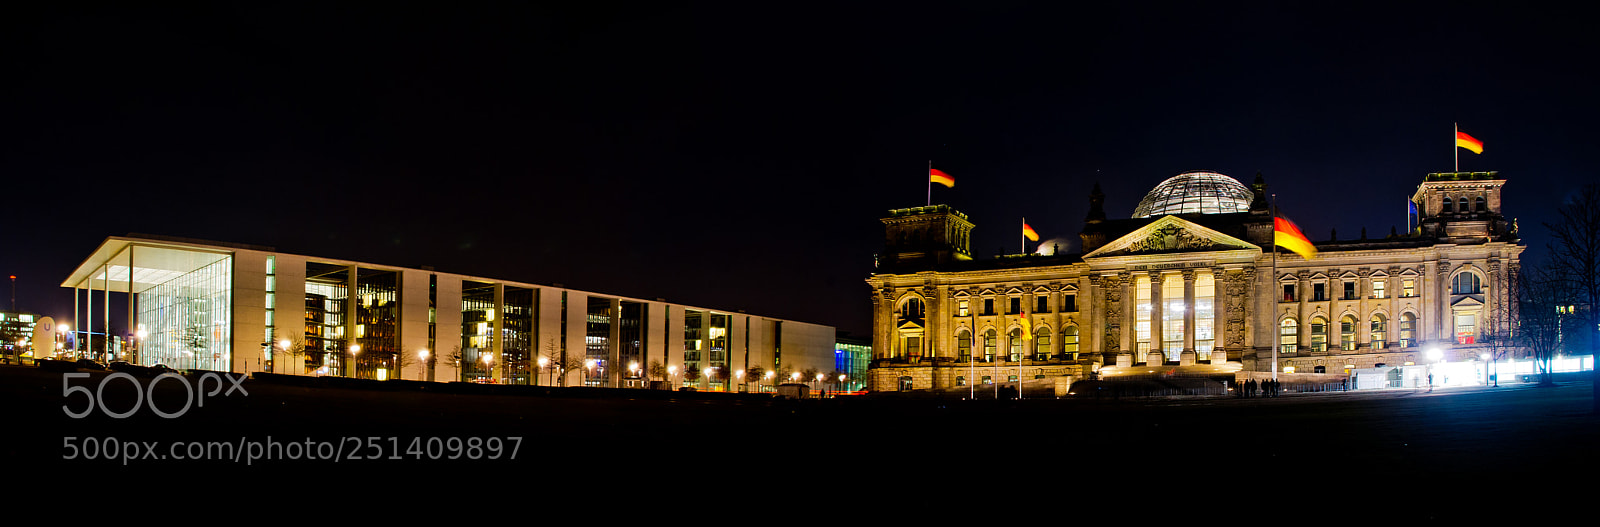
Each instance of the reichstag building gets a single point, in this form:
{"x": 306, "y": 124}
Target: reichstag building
{"x": 1186, "y": 285}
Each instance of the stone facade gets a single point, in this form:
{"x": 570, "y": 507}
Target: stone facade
{"x": 1194, "y": 290}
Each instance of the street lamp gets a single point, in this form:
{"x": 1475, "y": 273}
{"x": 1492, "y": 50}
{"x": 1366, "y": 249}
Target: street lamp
{"x": 355, "y": 349}
{"x": 488, "y": 358}
{"x": 672, "y": 372}
{"x": 422, "y": 364}
{"x": 63, "y": 330}
{"x": 588, "y": 367}
{"x": 543, "y": 363}
{"x": 1434, "y": 355}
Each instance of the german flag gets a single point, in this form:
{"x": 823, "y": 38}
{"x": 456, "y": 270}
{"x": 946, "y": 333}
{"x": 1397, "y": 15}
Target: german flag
{"x": 938, "y": 176}
{"x": 1286, "y": 235}
{"x": 1466, "y": 141}
{"x": 1028, "y": 232}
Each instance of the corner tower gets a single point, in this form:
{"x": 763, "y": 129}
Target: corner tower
{"x": 1462, "y": 207}
{"x": 926, "y": 236}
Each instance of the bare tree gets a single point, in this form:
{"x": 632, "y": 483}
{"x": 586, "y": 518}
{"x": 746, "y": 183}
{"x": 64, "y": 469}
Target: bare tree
{"x": 691, "y": 374}
{"x": 289, "y": 359}
{"x": 1576, "y": 256}
{"x": 657, "y": 370}
{"x": 754, "y": 374}
{"x": 1540, "y": 290}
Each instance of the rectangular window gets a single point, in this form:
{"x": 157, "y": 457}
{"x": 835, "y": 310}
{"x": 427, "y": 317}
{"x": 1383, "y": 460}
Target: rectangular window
{"x": 1377, "y": 289}
{"x": 961, "y": 381}
{"x": 1069, "y": 303}
{"x": 1466, "y": 328}
{"x": 1141, "y": 320}
{"x": 1044, "y": 304}
{"x": 1288, "y": 292}
{"x": 1349, "y": 290}
{"x": 988, "y": 306}
{"x": 1319, "y": 292}
{"x": 1016, "y": 306}
{"x": 962, "y": 309}
{"x": 1408, "y": 287}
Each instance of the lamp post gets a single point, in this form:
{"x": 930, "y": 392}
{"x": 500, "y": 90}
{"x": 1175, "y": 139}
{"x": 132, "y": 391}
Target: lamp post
{"x": 543, "y": 363}
{"x": 588, "y": 367}
{"x": 1434, "y": 356}
{"x": 672, "y": 372}
{"x": 488, "y": 369}
{"x": 61, "y": 336}
{"x": 770, "y": 375}
{"x": 355, "y": 349}
{"x": 422, "y": 364}
{"x": 739, "y": 374}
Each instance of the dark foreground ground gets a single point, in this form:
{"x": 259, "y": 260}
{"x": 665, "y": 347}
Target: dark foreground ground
{"x": 1455, "y": 453}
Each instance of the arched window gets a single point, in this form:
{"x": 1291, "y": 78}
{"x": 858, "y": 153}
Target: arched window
{"x": 1408, "y": 328}
{"x": 1319, "y": 334}
{"x": 911, "y": 310}
{"x": 1041, "y": 344}
{"x": 988, "y": 346}
{"x": 1449, "y": 206}
{"x": 964, "y": 345}
{"x": 1288, "y": 336}
{"x": 1480, "y": 205}
{"x": 1466, "y": 283}
{"x": 1014, "y": 344}
{"x": 1380, "y": 329}
{"x": 1347, "y": 333}
{"x": 1069, "y": 342}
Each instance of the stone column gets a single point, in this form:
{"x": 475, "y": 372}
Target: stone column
{"x": 1188, "y": 355}
{"x": 1219, "y": 310}
{"x": 1303, "y": 333}
{"x": 932, "y": 321}
{"x": 1156, "y": 313}
{"x": 1363, "y": 313}
{"x": 1441, "y": 323}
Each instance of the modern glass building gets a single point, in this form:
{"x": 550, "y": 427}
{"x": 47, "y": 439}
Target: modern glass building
{"x": 206, "y": 305}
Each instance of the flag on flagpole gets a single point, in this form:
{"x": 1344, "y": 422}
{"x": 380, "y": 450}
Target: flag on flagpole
{"x": 938, "y": 176}
{"x": 1028, "y": 232}
{"x": 1411, "y": 214}
{"x": 1466, "y": 141}
{"x": 1285, "y": 234}
{"x": 1027, "y": 327}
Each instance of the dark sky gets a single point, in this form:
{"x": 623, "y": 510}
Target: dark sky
{"x": 740, "y": 155}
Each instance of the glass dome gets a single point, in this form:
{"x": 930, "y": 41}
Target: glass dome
{"x": 1195, "y": 192}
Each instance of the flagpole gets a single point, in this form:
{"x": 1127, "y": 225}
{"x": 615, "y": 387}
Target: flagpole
{"x": 930, "y": 182}
{"x": 1024, "y": 236}
{"x": 1455, "y": 150}
{"x": 1276, "y": 289}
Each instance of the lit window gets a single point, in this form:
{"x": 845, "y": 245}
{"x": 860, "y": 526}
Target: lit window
{"x": 1408, "y": 287}
{"x": 1380, "y": 328}
{"x": 1408, "y": 326}
{"x": 1288, "y": 336}
{"x": 1466, "y": 328}
{"x": 1319, "y": 335}
{"x": 1377, "y": 289}
{"x": 1347, "y": 333}
{"x": 962, "y": 308}
{"x": 1069, "y": 339}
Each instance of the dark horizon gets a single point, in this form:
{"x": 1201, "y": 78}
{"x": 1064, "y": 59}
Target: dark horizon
{"x": 739, "y": 157}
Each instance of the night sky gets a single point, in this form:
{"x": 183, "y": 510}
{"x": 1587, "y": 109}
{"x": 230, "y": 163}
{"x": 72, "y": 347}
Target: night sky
{"x": 740, "y": 155}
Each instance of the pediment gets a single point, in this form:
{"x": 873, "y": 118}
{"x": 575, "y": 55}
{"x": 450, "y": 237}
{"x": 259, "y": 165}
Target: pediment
{"x": 1467, "y": 301}
{"x": 961, "y": 295}
{"x": 1170, "y": 234}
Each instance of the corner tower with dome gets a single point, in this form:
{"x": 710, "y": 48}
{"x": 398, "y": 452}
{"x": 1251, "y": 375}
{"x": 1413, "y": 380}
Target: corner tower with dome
{"x": 1185, "y": 288}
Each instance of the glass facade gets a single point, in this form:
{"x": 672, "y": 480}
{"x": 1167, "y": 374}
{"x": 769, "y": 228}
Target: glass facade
{"x": 1195, "y": 192}
{"x": 597, "y": 340}
{"x": 377, "y": 313}
{"x": 517, "y": 336}
{"x": 477, "y": 332}
{"x": 327, "y": 293}
{"x": 186, "y": 319}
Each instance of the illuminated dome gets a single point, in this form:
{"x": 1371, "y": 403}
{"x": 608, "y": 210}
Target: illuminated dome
{"x": 1195, "y": 192}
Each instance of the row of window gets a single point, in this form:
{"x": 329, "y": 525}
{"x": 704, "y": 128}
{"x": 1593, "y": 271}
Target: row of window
{"x": 1467, "y": 283}
{"x": 913, "y": 310}
{"x": 1041, "y": 349}
{"x": 1477, "y": 204}
{"x": 1289, "y": 332}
